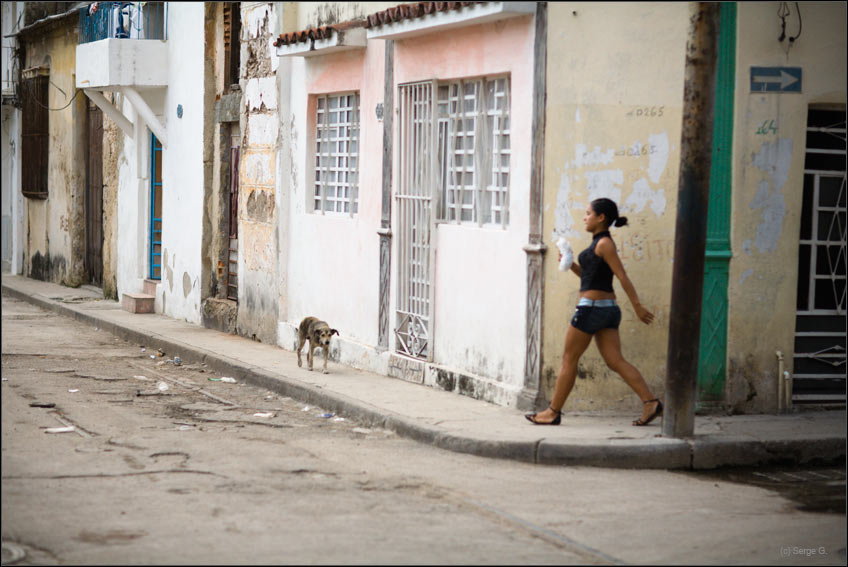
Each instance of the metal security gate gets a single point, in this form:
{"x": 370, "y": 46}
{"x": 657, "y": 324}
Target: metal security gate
{"x": 415, "y": 219}
{"x": 819, "y": 362}
{"x": 232, "y": 247}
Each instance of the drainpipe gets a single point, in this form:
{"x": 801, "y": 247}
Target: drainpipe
{"x": 690, "y": 237}
{"x": 780, "y": 388}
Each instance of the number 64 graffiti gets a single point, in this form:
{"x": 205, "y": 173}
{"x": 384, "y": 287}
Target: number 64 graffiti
{"x": 767, "y": 127}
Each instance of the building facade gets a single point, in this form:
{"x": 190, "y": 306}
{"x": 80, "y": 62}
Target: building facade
{"x": 403, "y": 171}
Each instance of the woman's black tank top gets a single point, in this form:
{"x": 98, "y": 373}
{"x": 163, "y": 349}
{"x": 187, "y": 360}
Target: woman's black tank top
{"x": 594, "y": 272}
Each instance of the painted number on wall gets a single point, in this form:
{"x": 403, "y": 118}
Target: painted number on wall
{"x": 767, "y": 127}
{"x": 637, "y": 150}
{"x": 646, "y": 111}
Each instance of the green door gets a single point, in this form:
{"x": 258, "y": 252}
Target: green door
{"x": 712, "y": 353}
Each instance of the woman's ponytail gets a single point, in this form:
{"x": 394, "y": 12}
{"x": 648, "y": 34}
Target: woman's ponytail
{"x": 608, "y": 208}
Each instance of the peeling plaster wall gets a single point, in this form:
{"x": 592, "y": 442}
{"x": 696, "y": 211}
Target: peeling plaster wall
{"x": 54, "y": 244}
{"x": 613, "y": 129}
{"x": 768, "y": 189}
{"x": 259, "y": 291}
{"x": 113, "y": 142}
{"x": 614, "y": 104}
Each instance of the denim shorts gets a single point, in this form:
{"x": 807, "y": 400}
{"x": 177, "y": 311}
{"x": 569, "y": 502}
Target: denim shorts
{"x": 593, "y": 316}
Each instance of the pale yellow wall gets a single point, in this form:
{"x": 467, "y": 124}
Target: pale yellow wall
{"x": 53, "y": 224}
{"x": 604, "y": 60}
{"x": 614, "y": 88}
{"x": 767, "y": 198}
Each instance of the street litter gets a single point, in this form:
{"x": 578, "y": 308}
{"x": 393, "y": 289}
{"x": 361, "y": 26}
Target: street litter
{"x": 156, "y": 393}
{"x": 141, "y": 378}
{"x": 162, "y": 386}
{"x": 305, "y": 409}
{"x": 325, "y": 415}
{"x": 152, "y": 356}
{"x": 339, "y": 419}
{"x": 177, "y": 361}
{"x": 160, "y": 352}
{"x": 226, "y": 379}
{"x": 42, "y": 405}
{"x": 73, "y": 390}
{"x": 69, "y": 429}
{"x": 143, "y": 349}
{"x": 263, "y": 414}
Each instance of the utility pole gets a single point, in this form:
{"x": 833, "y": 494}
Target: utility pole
{"x": 690, "y": 235}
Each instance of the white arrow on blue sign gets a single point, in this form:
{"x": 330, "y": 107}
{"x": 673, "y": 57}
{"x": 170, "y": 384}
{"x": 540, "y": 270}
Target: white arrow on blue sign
{"x": 776, "y": 79}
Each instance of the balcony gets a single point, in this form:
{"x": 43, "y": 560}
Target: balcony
{"x": 122, "y": 44}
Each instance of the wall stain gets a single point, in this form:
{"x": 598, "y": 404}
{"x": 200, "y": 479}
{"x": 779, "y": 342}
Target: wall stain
{"x": 260, "y": 206}
{"x": 186, "y": 284}
{"x": 47, "y": 268}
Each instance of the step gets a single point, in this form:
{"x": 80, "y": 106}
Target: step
{"x": 137, "y": 302}
{"x": 150, "y": 287}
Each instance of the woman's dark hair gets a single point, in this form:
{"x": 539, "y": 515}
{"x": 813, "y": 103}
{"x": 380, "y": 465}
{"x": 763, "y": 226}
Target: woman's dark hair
{"x": 609, "y": 209}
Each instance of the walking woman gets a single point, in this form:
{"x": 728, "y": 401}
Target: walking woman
{"x": 598, "y": 315}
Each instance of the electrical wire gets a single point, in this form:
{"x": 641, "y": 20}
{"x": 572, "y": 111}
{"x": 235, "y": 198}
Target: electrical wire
{"x": 782, "y": 13}
{"x": 36, "y": 101}
{"x": 800, "y": 24}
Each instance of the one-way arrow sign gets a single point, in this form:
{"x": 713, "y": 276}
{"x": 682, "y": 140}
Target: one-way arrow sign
{"x": 776, "y": 79}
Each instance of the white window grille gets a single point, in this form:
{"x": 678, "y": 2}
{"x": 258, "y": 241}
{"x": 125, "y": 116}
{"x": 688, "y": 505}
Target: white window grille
{"x": 337, "y": 154}
{"x": 819, "y": 359}
{"x": 474, "y": 150}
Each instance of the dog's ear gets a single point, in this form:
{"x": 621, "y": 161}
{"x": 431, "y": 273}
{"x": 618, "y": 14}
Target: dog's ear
{"x": 334, "y": 332}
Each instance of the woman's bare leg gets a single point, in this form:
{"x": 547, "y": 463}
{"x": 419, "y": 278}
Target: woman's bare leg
{"x": 576, "y": 343}
{"x": 609, "y": 345}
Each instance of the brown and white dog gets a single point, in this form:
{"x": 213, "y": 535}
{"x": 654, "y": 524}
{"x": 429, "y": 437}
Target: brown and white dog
{"x": 318, "y": 334}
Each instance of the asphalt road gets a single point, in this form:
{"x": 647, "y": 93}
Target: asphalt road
{"x": 111, "y": 454}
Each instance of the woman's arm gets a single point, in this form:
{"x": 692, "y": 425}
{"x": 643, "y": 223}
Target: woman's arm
{"x": 606, "y": 250}
{"x": 575, "y": 267}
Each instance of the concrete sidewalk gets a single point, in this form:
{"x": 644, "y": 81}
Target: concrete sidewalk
{"x": 452, "y": 421}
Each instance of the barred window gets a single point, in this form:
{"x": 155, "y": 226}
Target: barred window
{"x": 35, "y": 136}
{"x": 474, "y": 150}
{"x": 337, "y": 154}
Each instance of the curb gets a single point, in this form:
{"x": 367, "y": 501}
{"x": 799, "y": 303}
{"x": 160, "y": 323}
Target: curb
{"x": 700, "y": 452}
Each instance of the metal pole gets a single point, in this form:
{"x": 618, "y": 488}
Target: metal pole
{"x": 691, "y": 226}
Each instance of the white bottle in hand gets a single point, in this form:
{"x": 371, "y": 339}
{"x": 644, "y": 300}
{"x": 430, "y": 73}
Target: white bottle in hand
{"x": 566, "y": 255}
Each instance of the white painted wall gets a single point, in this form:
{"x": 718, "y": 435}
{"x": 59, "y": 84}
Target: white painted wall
{"x": 12, "y": 200}
{"x": 178, "y": 294}
{"x": 333, "y": 259}
{"x": 182, "y": 173}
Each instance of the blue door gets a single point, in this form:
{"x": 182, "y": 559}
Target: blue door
{"x": 155, "y": 229}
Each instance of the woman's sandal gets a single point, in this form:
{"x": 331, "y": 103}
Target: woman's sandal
{"x": 531, "y": 417}
{"x": 657, "y": 412}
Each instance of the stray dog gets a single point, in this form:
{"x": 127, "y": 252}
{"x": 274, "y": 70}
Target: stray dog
{"x": 318, "y": 334}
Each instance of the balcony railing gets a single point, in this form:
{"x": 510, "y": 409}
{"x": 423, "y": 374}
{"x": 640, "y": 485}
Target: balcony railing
{"x": 131, "y": 20}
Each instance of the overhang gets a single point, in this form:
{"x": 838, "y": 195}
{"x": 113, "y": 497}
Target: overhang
{"x": 322, "y": 40}
{"x": 410, "y": 20}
